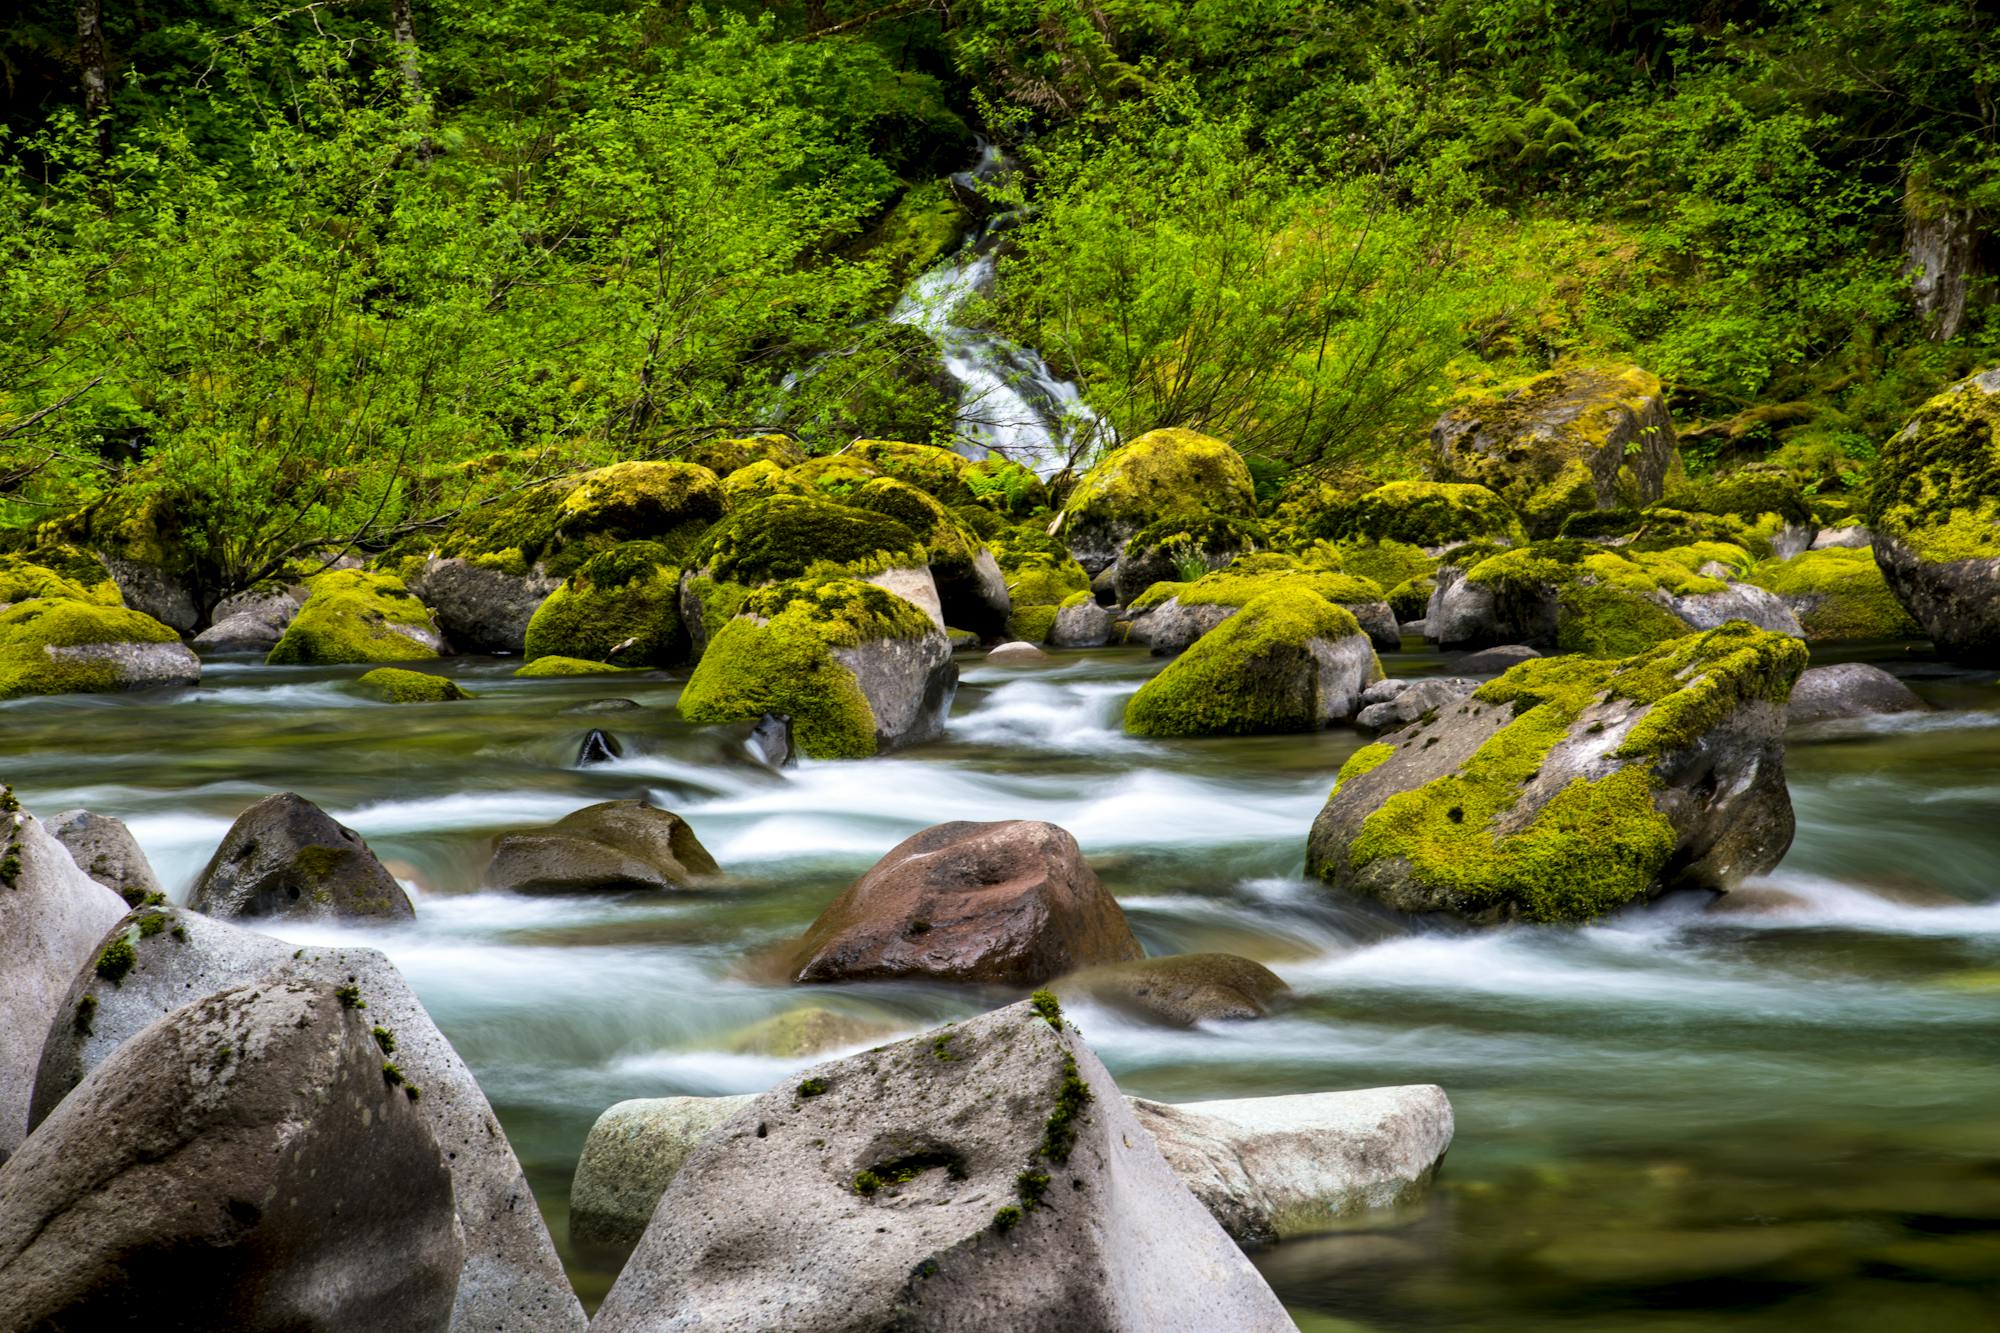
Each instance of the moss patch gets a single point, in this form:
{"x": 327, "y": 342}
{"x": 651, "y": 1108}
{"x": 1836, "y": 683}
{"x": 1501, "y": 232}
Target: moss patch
{"x": 787, "y": 536}
{"x": 623, "y": 603}
{"x": 939, "y": 473}
{"x": 950, "y": 544}
{"x": 724, "y": 457}
{"x": 759, "y": 481}
{"x": 1161, "y": 471}
{"x": 30, "y": 629}
{"x": 1006, "y": 486}
{"x": 397, "y": 686}
{"x": 1838, "y": 593}
{"x": 1937, "y": 484}
{"x": 352, "y": 616}
{"x": 61, "y": 573}
{"x": 1423, "y": 513}
{"x": 564, "y": 666}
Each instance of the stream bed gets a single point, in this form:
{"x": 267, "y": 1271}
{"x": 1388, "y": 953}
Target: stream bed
{"x": 1775, "y": 1118}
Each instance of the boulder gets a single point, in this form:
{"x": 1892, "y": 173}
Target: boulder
{"x": 621, "y": 606}
{"x": 1184, "y": 540}
{"x": 285, "y": 856}
{"x": 1838, "y": 593}
{"x": 1080, "y": 623}
{"x": 154, "y": 591}
{"x": 355, "y": 616}
{"x": 104, "y": 849}
{"x": 1849, "y": 689}
{"x": 1736, "y": 601}
{"x": 1563, "y": 442}
{"x": 61, "y": 646}
{"x": 614, "y": 846}
{"x": 396, "y": 686}
{"x": 1169, "y": 617}
{"x": 1007, "y": 903}
{"x": 1569, "y": 787}
{"x": 544, "y": 667}
{"x": 1160, "y": 472}
{"x": 1849, "y": 536}
{"x": 249, "y": 622}
{"x": 1493, "y": 661}
{"x": 856, "y": 669}
{"x": 798, "y": 1033}
{"x": 1017, "y": 654}
{"x": 247, "y": 1163}
{"x": 1181, "y": 990}
{"x": 1041, "y": 579}
{"x": 482, "y": 607}
{"x": 1269, "y": 1168}
{"x": 1936, "y": 517}
{"x": 630, "y": 1157}
{"x": 770, "y": 743}
{"x": 1426, "y": 514}
{"x": 724, "y": 456}
{"x": 1288, "y": 661}
{"x": 511, "y": 1278}
{"x": 988, "y": 1175}
{"x": 1411, "y": 700}
{"x": 52, "y": 916}
{"x": 599, "y": 747}
{"x": 968, "y": 585}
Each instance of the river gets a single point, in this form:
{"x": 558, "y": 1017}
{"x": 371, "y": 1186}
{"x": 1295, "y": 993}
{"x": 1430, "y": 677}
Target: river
{"x": 1676, "y": 1119}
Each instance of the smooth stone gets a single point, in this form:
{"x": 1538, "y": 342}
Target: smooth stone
{"x": 1849, "y": 689}
{"x": 1085, "y": 625}
{"x": 1181, "y": 990}
{"x": 1418, "y": 698}
{"x": 802, "y": 1032}
{"x": 1853, "y": 536}
{"x": 1739, "y": 601}
{"x": 244, "y": 632}
{"x": 630, "y": 1157}
{"x": 1017, "y": 653}
{"x": 285, "y": 856}
{"x": 104, "y": 849}
{"x": 1493, "y": 661}
{"x": 481, "y": 609}
{"x": 610, "y": 847}
{"x": 599, "y": 747}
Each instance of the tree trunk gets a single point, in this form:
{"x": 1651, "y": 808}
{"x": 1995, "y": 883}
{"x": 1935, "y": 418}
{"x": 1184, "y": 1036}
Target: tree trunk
{"x": 404, "y": 29}
{"x": 90, "y": 57}
{"x": 1940, "y": 250}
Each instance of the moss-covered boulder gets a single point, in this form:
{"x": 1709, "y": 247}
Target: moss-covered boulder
{"x": 1935, "y": 511}
{"x": 1838, "y": 593}
{"x": 1079, "y": 623}
{"x": 1559, "y": 443}
{"x": 1041, "y": 576}
{"x": 1161, "y": 472}
{"x": 760, "y": 481}
{"x": 1183, "y": 546}
{"x": 1427, "y": 514}
{"x": 726, "y": 457}
{"x": 857, "y": 669}
{"x": 395, "y": 685}
{"x": 137, "y": 534}
{"x": 1762, "y": 506}
{"x": 1570, "y": 787}
{"x": 672, "y": 504}
{"x": 1288, "y": 661}
{"x": 356, "y": 616}
{"x": 1168, "y": 617}
{"x": 939, "y": 473}
{"x": 1003, "y": 486}
{"x": 565, "y": 666}
{"x": 832, "y": 475}
{"x": 54, "y": 645}
{"x": 622, "y": 606}
{"x": 1387, "y": 562}
{"x": 59, "y": 572}
{"x": 971, "y": 588}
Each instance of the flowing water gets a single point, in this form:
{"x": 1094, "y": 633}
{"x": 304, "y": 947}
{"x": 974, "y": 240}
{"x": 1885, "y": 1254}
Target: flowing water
{"x": 1677, "y": 1119}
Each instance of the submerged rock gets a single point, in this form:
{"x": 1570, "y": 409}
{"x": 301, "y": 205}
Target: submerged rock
{"x": 60, "y": 646}
{"x": 1009, "y": 903}
{"x": 1016, "y": 653}
{"x": 770, "y": 743}
{"x": 988, "y": 1175}
{"x": 599, "y": 747}
{"x": 104, "y": 849}
{"x": 1181, "y": 990}
{"x": 396, "y": 686}
{"x": 1569, "y": 787}
{"x": 1849, "y": 689}
{"x": 610, "y": 847}
{"x": 285, "y": 856}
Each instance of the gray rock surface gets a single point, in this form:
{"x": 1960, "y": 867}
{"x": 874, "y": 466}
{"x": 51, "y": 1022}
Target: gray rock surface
{"x": 909, "y": 685}
{"x": 104, "y": 849}
{"x": 1738, "y": 601}
{"x": 139, "y": 666}
{"x": 1849, "y": 689}
{"x": 52, "y": 916}
{"x": 285, "y": 856}
{"x": 613, "y": 846}
{"x": 915, "y": 585}
{"x": 244, "y": 632}
{"x": 512, "y": 1279}
{"x": 241, "y": 1164}
{"x": 1171, "y": 628}
{"x": 900, "y": 1189}
{"x": 1410, "y": 700}
{"x": 1493, "y": 661}
{"x": 1181, "y": 990}
{"x": 630, "y": 1157}
{"x": 1268, "y": 1168}
{"x": 1085, "y": 625}
{"x": 1852, "y": 535}
{"x": 1016, "y": 653}
{"x": 150, "y": 589}
{"x": 481, "y": 609}
{"x": 1957, "y": 602}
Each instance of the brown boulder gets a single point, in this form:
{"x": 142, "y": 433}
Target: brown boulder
{"x": 1181, "y": 989}
{"x": 1011, "y": 903}
{"x": 610, "y": 847}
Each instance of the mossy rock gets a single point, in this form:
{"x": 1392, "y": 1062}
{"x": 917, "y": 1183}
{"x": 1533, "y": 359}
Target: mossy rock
{"x": 809, "y": 650}
{"x": 1006, "y": 487}
{"x": 1289, "y": 660}
{"x": 668, "y": 503}
{"x": 1184, "y": 545}
{"x": 564, "y": 666}
{"x": 355, "y": 616}
{"x": 987, "y": 524}
{"x": 133, "y": 522}
{"x": 398, "y": 686}
{"x": 62, "y": 572}
{"x": 1749, "y": 492}
{"x": 1564, "y": 442}
{"x": 623, "y": 603}
{"x": 1387, "y": 562}
{"x": 1411, "y": 598}
{"x": 833, "y": 476}
{"x": 1570, "y": 787}
{"x": 1031, "y": 624}
{"x": 1662, "y": 527}
{"x": 54, "y": 645}
{"x": 1838, "y": 594}
{"x": 726, "y": 457}
{"x": 1163, "y": 471}
{"x": 971, "y": 587}
{"x": 788, "y": 535}
{"x": 760, "y": 481}
{"x": 923, "y": 227}
{"x": 1575, "y": 596}
{"x": 939, "y": 473}
{"x": 1424, "y": 513}
{"x": 1038, "y": 569}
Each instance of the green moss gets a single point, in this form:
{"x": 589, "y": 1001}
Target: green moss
{"x": 1423, "y": 513}
{"x": 1031, "y": 624}
{"x": 1364, "y": 760}
{"x": 671, "y": 504}
{"x": 788, "y": 536}
{"x": 1075, "y": 599}
{"x": 1048, "y": 1007}
{"x": 952, "y": 547}
{"x": 397, "y": 686}
{"x": 1611, "y": 622}
{"x": 920, "y": 230}
{"x": 813, "y": 1087}
{"x": 86, "y": 1015}
{"x": 1162, "y": 470}
{"x": 832, "y": 476}
{"x": 1749, "y": 493}
{"x": 385, "y": 1039}
{"x": 776, "y": 657}
{"x": 565, "y": 666}
{"x": 1411, "y": 599}
{"x": 623, "y": 602}
{"x": 1838, "y": 593}
{"x": 759, "y": 481}
{"x": 939, "y": 473}
{"x": 1608, "y": 601}
{"x": 57, "y": 573}
{"x": 1386, "y": 562}
{"x": 115, "y": 960}
{"x": 353, "y": 616}
{"x": 727, "y": 457}
{"x": 1006, "y": 1218}
{"x": 1038, "y": 578}
{"x": 1236, "y": 586}
{"x": 999, "y": 483}
{"x": 349, "y": 996}
{"x": 1214, "y": 539}
{"x": 1252, "y": 674}
{"x": 33, "y": 632}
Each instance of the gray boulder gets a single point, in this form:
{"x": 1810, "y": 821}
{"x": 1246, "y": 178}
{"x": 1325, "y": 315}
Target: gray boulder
{"x": 482, "y": 609}
{"x": 244, "y": 1163}
{"x": 245, "y": 632}
{"x": 512, "y": 1279}
{"x": 285, "y": 856}
{"x": 909, "y": 685}
{"x": 613, "y": 846}
{"x": 987, "y": 1176}
{"x": 1738, "y": 601}
{"x": 1181, "y": 990}
{"x": 1170, "y": 627}
{"x": 630, "y": 1157}
{"x": 1849, "y": 689}
{"x": 1493, "y": 661}
{"x": 1082, "y": 625}
{"x": 104, "y": 849}
{"x": 1389, "y": 704}
{"x": 150, "y": 589}
{"x": 52, "y": 916}
{"x": 1269, "y": 1168}
{"x": 1853, "y": 535}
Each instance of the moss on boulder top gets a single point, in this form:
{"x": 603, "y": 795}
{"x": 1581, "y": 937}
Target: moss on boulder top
{"x": 565, "y": 666}
{"x": 668, "y": 503}
{"x": 760, "y": 481}
{"x": 623, "y": 603}
{"x": 1563, "y": 442}
{"x": 57, "y": 645}
{"x": 1569, "y": 787}
{"x": 950, "y": 544}
{"x": 355, "y": 616}
{"x": 939, "y": 473}
{"x": 1838, "y": 593}
{"x": 1240, "y": 582}
{"x": 1183, "y": 543}
{"x": 723, "y": 457}
{"x": 60, "y": 571}
{"x": 1388, "y": 562}
{"x": 833, "y": 476}
{"x": 1161, "y": 472}
{"x": 1575, "y": 596}
{"x": 788, "y": 535}
{"x": 1750, "y": 492}
{"x": 1423, "y": 513}
{"x": 398, "y": 686}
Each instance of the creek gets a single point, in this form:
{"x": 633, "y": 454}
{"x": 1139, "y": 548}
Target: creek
{"x": 1678, "y": 1118}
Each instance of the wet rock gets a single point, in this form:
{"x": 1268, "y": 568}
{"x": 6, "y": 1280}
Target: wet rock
{"x": 802, "y": 1032}
{"x": 1156, "y": 474}
{"x": 61, "y": 646}
{"x": 1493, "y": 661}
{"x": 1412, "y": 701}
{"x": 988, "y": 1175}
{"x": 599, "y": 747}
{"x": 1081, "y": 624}
{"x": 1169, "y": 627}
{"x": 1008, "y": 903}
{"x": 1017, "y": 654}
{"x": 630, "y": 1157}
{"x": 1269, "y": 1168}
{"x": 1181, "y": 990}
{"x": 104, "y": 849}
{"x": 1849, "y": 689}
{"x": 1738, "y": 601}
{"x": 52, "y": 916}
{"x": 396, "y": 686}
{"x": 512, "y": 1278}
{"x": 243, "y": 1163}
{"x": 356, "y": 616}
{"x": 251, "y": 622}
{"x": 770, "y": 743}
{"x": 602, "y": 706}
{"x": 285, "y": 856}
{"x": 480, "y": 608}
{"x": 1851, "y": 536}
{"x": 611, "y": 847}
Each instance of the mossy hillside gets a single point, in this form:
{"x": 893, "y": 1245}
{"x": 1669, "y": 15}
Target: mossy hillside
{"x": 759, "y": 481}
{"x": 29, "y": 629}
{"x": 939, "y": 473}
{"x": 1936, "y": 487}
{"x": 951, "y": 545}
{"x": 1423, "y": 513}
{"x": 351, "y": 616}
{"x": 777, "y": 658}
{"x": 922, "y": 228}
{"x": 398, "y": 686}
{"x": 1162, "y": 471}
{"x": 1596, "y": 845}
{"x": 48, "y": 573}
{"x": 1002, "y": 485}
{"x": 1253, "y": 674}
{"x": 564, "y": 666}
{"x": 1838, "y": 594}
{"x": 623, "y": 603}
{"x": 728, "y": 456}
{"x": 788, "y": 535}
